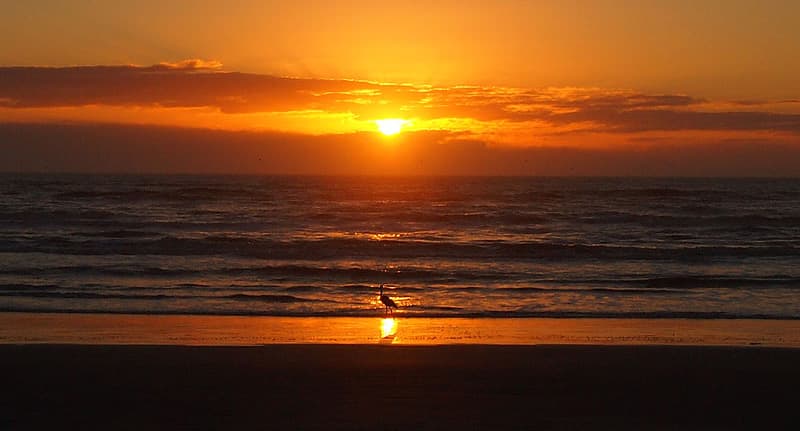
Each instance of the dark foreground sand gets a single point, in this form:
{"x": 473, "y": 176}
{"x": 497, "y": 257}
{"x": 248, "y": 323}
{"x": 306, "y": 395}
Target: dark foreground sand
{"x": 397, "y": 387}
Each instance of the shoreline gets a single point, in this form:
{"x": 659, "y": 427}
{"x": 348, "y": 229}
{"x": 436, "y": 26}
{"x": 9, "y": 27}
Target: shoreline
{"x": 204, "y": 330}
{"x": 406, "y": 315}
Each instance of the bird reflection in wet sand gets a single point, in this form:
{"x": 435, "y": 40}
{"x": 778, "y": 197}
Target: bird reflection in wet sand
{"x": 387, "y": 302}
{"x": 388, "y": 330}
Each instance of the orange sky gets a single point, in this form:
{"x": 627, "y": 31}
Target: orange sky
{"x": 651, "y": 77}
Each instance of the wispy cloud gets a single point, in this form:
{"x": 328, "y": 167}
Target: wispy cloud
{"x": 190, "y": 64}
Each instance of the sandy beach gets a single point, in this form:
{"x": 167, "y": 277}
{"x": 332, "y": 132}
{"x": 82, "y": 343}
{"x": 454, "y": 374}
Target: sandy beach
{"x": 396, "y": 387}
{"x": 85, "y": 371}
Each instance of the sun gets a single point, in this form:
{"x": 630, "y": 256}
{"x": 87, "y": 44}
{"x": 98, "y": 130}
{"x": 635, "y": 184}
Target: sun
{"x": 390, "y": 126}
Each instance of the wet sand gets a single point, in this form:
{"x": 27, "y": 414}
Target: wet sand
{"x": 328, "y": 387}
{"x": 65, "y": 328}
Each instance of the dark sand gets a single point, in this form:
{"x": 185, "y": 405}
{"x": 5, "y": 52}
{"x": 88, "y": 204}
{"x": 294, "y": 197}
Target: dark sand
{"x": 397, "y": 387}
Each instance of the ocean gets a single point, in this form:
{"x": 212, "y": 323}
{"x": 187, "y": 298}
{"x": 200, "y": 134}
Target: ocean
{"x": 443, "y": 246}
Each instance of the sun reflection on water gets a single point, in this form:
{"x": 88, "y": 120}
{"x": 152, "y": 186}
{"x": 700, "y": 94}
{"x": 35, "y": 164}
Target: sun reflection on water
{"x": 388, "y": 329}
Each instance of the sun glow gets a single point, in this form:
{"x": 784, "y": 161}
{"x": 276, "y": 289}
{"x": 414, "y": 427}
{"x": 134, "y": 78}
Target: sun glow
{"x": 390, "y": 126}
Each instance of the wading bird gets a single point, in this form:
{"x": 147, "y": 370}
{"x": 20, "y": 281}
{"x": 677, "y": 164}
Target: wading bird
{"x": 388, "y": 302}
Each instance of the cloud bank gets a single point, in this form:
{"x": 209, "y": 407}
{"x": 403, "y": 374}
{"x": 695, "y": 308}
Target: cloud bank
{"x": 202, "y": 84}
{"x": 108, "y": 148}
{"x": 104, "y": 118}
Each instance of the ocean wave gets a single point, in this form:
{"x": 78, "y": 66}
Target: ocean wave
{"x": 271, "y": 272}
{"x": 688, "y": 282}
{"x": 164, "y": 193}
{"x": 46, "y": 293}
{"x": 699, "y": 222}
{"x": 269, "y": 298}
{"x": 328, "y": 290}
{"x": 663, "y": 192}
{"x": 121, "y": 233}
{"x": 322, "y": 249}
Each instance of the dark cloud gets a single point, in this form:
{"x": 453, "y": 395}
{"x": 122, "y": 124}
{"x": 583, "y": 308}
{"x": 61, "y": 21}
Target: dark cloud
{"x": 148, "y": 149}
{"x": 627, "y": 101}
{"x": 763, "y": 102}
{"x": 162, "y": 85}
{"x": 616, "y": 120}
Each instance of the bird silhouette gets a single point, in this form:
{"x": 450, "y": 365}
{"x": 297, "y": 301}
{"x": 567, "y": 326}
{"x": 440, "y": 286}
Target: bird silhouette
{"x": 388, "y": 302}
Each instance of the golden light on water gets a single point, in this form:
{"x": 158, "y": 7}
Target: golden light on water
{"x": 388, "y": 328}
{"x": 390, "y": 126}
